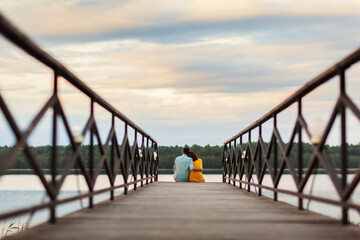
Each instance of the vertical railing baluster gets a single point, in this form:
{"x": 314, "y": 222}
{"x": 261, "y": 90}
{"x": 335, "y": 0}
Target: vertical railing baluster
{"x": 300, "y": 154}
{"x": 235, "y": 163}
{"x": 260, "y": 162}
{"x": 241, "y": 162}
{"x": 112, "y": 158}
{"x": 249, "y": 161}
{"x": 343, "y": 154}
{"x": 147, "y": 161}
{"x": 136, "y": 158}
{"x": 152, "y": 161}
{"x": 91, "y": 155}
{"x": 229, "y": 163}
{"x": 232, "y": 161}
{"x": 53, "y": 161}
{"x": 142, "y": 160}
{"x": 275, "y": 157}
{"x": 125, "y": 173}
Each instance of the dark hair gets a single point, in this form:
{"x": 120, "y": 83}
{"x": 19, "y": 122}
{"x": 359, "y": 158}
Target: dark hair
{"x": 186, "y": 150}
{"x": 192, "y": 155}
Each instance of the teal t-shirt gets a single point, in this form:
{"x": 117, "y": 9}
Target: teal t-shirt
{"x": 182, "y": 166}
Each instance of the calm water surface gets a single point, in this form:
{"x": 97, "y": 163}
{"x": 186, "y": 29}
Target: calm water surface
{"x": 18, "y": 191}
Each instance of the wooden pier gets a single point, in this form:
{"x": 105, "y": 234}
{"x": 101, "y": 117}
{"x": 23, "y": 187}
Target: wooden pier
{"x": 165, "y": 210}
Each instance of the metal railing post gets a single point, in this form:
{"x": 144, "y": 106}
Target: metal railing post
{"x": 235, "y": 165}
{"x": 125, "y": 173}
{"x": 275, "y": 157}
{"x": 260, "y": 159}
{"x": 300, "y": 154}
{"x": 147, "y": 161}
{"x": 241, "y": 166}
{"x": 152, "y": 161}
{"x": 53, "y": 161}
{"x": 344, "y": 160}
{"x": 142, "y": 161}
{"x": 136, "y": 158}
{"x": 91, "y": 156}
{"x": 249, "y": 162}
{"x": 112, "y": 158}
{"x": 229, "y": 163}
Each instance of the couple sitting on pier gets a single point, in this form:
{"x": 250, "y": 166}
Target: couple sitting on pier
{"x": 188, "y": 168}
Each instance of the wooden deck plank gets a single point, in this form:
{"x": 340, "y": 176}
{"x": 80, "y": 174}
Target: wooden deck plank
{"x": 192, "y": 210}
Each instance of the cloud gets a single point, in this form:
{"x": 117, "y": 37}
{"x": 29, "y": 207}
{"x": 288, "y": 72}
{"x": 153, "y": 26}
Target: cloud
{"x": 171, "y": 108}
{"x": 213, "y": 10}
{"x": 77, "y": 18}
{"x": 262, "y": 29}
{"x": 186, "y": 72}
{"x": 232, "y": 65}
{"x": 178, "y": 21}
{"x": 16, "y": 87}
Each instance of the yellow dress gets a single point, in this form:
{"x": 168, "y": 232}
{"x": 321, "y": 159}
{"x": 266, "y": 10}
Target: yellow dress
{"x": 197, "y": 176}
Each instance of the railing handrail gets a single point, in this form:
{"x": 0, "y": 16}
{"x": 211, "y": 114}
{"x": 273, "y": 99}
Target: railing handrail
{"x": 25, "y": 43}
{"x": 254, "y": 156}
{"x": 128, "y": 158}
{"x": 308, "y": 87}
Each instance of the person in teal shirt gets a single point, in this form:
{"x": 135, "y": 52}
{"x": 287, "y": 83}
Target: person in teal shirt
{"x": 183, "y": 165}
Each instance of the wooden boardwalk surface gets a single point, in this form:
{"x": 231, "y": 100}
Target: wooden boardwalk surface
{"x": 165, "y": 210}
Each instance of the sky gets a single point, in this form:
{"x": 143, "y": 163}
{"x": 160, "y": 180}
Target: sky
{"x": 187, "y": 72}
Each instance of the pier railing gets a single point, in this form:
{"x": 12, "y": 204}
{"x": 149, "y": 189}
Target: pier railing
{"x": 242, "y": 160}
{"x": 136, "y": 160}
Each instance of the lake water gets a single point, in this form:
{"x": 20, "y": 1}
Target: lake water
{"x": 18, "y": 191}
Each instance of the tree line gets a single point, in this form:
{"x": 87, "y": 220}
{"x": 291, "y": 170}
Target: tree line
{"x": 211, "y": 155}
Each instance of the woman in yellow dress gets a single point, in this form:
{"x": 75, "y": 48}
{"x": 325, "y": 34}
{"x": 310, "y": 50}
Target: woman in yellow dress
{"x": 196, "y": 176}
